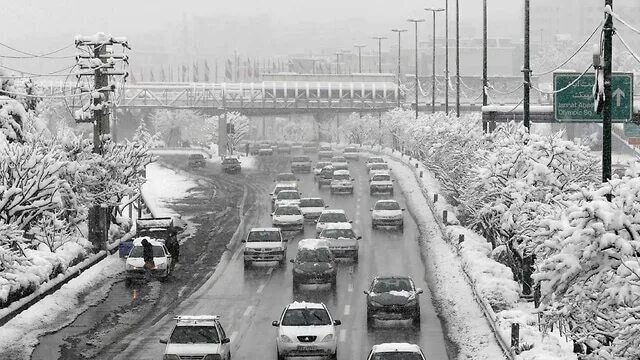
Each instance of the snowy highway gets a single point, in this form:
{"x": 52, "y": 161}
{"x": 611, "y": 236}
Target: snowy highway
{"x": 249, "y": 299}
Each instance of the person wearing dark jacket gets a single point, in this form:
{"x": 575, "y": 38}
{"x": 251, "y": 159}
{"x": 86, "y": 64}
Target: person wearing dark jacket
{"x": 147, "y": 256}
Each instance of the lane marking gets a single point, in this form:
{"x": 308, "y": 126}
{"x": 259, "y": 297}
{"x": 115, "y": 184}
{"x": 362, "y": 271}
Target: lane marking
{"x": 351, "y": 269}
{"x": 350, "y": 287}
{"x": 260, "y": 288}
{"x": 347, "y": 309}
{"x": 248, "y": 311}
{"x": 269, "y": 271}
{"x": 343, "y": 335}
{"x": 233, "y": 336}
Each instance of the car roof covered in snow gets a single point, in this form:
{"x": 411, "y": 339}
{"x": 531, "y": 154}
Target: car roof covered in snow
{"x": 305, "y": 305}
{"x": 265, "y": 229}
{"x": 333, "y": 211}
{"x": 339, "y": 226}
{"x": 154, "y": 242}
{"x": 382, "y": 201}
{"x": 393, "y": 347}
{"x": 312, "y": 244}
{"x": 341, "y": 172}
{"x": 200, "y": 320}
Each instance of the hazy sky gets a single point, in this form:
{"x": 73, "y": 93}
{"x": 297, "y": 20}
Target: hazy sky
{"x": 45, "y": 24}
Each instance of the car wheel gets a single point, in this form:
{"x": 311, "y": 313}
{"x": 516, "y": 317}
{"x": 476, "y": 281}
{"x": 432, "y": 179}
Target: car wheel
{"x": 334, "y": 356}
{"x": 370, "y": 321}
{"x": 355, "y": 258}
{"x": 401, "y": 227}
{"x": 391, "y": 193}
{"x": 280, "y": 356}
{"x": 283, "y": 260}
{"x": 416, "y": 320}
{"x": 373, "y": 225}
{"x": 247, "y": 263}
{"x": 334, "y": 282}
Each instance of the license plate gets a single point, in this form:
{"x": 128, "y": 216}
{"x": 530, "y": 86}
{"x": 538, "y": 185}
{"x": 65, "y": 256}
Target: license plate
{"x": 306, "y": 348}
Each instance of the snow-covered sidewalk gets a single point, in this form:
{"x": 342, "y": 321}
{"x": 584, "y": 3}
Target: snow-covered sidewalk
{"x": 19, "y": 336}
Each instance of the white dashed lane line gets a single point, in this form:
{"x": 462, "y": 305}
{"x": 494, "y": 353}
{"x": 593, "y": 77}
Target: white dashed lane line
{"x": 248, "y": 311}
{"x": 260, "y": 288}
{"x": 350, "y": 287}
{"x": 343, "y": 335}
{"x": 347, "y": 310}
{"x": 233, "y": 336}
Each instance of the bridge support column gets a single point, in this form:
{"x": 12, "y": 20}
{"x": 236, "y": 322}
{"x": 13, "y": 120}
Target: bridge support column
{"x": 338, "y": 127}
{"x": 264, "y": 127}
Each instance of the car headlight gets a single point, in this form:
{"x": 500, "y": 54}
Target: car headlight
{"x": 285, "y": 339}
{"x": 170, "y": 357}
{"x": 161, "y": 266}
{"x": 298, "y": 271}
{"x": 328, "y": 338}
{"x": 212, "y": 357}
{"x": 375, "y": 303}
{"x": 329, "y": 271}
{"x": 300, "y": 221}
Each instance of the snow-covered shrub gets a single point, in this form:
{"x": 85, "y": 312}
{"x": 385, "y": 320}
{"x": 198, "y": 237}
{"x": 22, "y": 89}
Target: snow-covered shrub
{"x": 590, "y": 268}
{"x": 359, "y": 129}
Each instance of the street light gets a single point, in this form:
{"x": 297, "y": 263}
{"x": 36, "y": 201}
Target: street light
{"x": 359, "y": 56}
{"x": 399, "y": 31}
{"x": 379, "y": 38}
{"x": 446, "y": 56}
{"x": 433, "y": 64}
{"x": 458, "y": 58}
{"x": 338, "y": 53}
{"x": 416, "y": 21}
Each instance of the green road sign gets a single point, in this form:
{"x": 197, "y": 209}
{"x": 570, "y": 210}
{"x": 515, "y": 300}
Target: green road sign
{"x": 575, "y": 104}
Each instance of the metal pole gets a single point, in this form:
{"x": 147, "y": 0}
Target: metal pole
{"x": 446, "y": 57}
{"x": 359, "y": 56}
{"x": 379, "y": 38}
{"x": 433, "y": 61}
{"x": 416, "y": 21}
{"x": 458, "y": 58}
{"x": 526, "y": 70}
{"x": 484, "y": 60}
{"x": 399, "y": 31}
{"x": 337, "y": 63}
{"x": 606, "y": 112}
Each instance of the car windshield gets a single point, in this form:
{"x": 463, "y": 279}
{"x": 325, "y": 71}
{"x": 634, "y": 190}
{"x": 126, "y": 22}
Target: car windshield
{"x": 381, "y": 177}
{"x": 321, "y": 165}
{"x": 397, "y": 355}
{"x": 230, "y": 161}
{"x": 350, "y": 150}
{"x": 311, "y": 203}
{"x": 387, "y": 205}
{"x": 196, "y": 156}
{"x": 391, "y": 284}
{"x": 306, "y": 317}
{"x": 287, "y": 210}
{"x": 333, "y": 218}
{"x": 195, "y": 335}
{"x": 280, "y": 188}
{"x": 314, "y": 255}
{"x": 379, "y": 166}
{"x": 325, "y": 148}
{"x": 136, "y": 251}
{"x": 288, "y": 195}
{"x": 301, "y": 159}
{"x": 341, "y": 177}
{"x": 338, "y": 159}
{"x": 375, "y": 160}
{"x": 286, "y": 177}
{"x": 338, "y": 233}
{"x": 263, "y": 236}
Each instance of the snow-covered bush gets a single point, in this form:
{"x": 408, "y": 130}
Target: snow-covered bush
{"x": 590, "y": 268}
{"x": 359, "y": 129}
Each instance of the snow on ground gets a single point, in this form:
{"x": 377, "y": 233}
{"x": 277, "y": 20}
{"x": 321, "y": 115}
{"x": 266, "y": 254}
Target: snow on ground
{"x": 19, "y": 336}
{"x": 163, "y": 186}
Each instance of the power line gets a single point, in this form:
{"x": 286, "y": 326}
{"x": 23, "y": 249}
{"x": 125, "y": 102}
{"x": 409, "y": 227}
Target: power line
{"x": 508, "y": 92}
{"x": 34, "y": 75}
{"x": 574, "y": 54}
{"x": 609, "y": 11}
{"x": 635, "y": 56}
{"x": 31, "y": 55}
{"x": 564, "y": 88}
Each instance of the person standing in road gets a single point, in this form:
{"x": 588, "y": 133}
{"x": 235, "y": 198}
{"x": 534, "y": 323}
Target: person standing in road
{"x": 147, "y": 256}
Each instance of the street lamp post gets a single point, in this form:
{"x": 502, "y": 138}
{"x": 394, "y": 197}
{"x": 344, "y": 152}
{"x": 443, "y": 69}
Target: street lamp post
{"x": 399, "y": 31}
{"x": 379, "y": 38}
{"x": 433, "y": 64}
{"x": 359, "y": 56}
{"x": 446, "y": 56}
{"x": 338, "y": 53}
{"x": 458, "y": 58}
{"x": 416, "y": 21}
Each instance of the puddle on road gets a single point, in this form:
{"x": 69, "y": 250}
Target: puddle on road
{"x": 121, "y": 298}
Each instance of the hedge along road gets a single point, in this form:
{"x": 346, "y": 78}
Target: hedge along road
{"x": 212, "y": 211}
{"x": 249, "y": 299}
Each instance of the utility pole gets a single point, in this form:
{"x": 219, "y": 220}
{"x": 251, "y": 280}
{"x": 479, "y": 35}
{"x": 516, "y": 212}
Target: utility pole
{"x": 379, "y": 38}
{"x": 606, "y": 111}
{"x": 457, "y": 58}
{"x": 485, "y": 83}
{"x": 416, "y": 21}
{"x": 399, "y": 31}
{"x": 526, "y": 70}
{"x": 433, "y": 61}
{"x": 359, "y": 46}
{"x": 98, "y": 62}
{"x": 446, "y": 57}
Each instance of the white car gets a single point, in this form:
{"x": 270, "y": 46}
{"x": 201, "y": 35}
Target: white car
{"x": 287, "y": 178}
{"x": 306, "y": 329}
{"x": 286, "y": 197}
{"x": 387, "y": 213}
{"x": 351, "y": 152}
{"x": 279, "y": 187}
{"x": 264, "y": 244}
{"x": 374, "y": 160}
{"x": 325, "y": 152}
{"x": 342, "y": 182}
{"x": 330, "y": 216}
{"x": 134, "y": 265}
{"x": 288, "y": 218}
{"x": 394, "y": 351}
{"x": 197, "y": 337}
{"x": 339, "y": 163}
{"x": 312, "y": 208}
{"x": 301, "y": 163}
{"x": 343, "y": 242}
{"x": 378, "y": 167}
{"x": 380, "y": 183}
{"x": 319, "y": 166}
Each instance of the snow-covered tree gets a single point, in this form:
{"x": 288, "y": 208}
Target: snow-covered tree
{"x": 590, "y": 272}
{"x": 360, "y": 129}
{"x": 241, "y": 128}
{"x": 183, "y": 125}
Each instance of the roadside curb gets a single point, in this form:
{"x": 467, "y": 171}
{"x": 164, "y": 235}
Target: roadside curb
{"x": 488, "y": 312}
